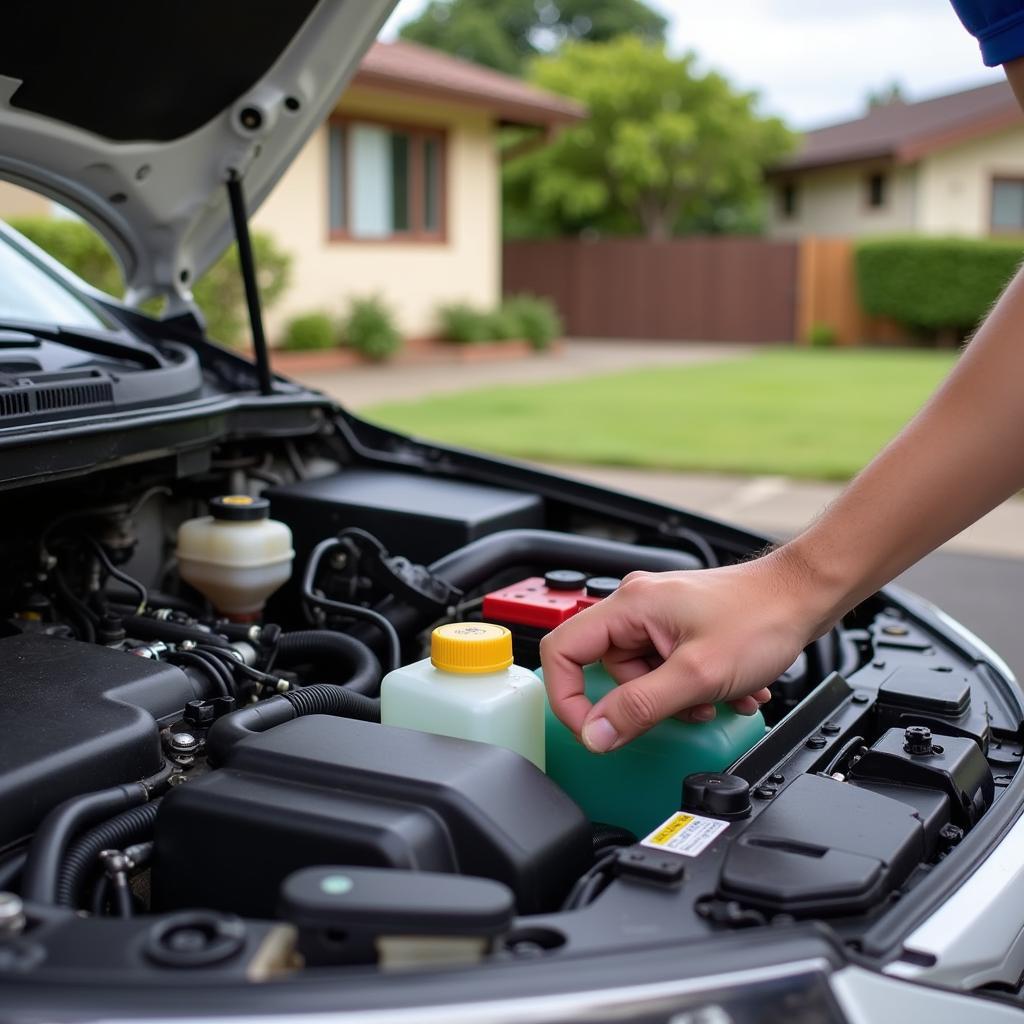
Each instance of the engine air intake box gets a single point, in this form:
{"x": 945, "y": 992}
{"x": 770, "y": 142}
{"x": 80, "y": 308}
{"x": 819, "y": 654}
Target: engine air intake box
{"x": 322, "y": 790}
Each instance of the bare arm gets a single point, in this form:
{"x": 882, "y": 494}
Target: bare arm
{"x": 679, "y": 642}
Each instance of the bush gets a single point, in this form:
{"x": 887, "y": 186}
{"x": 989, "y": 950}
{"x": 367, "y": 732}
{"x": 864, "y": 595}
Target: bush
{"x": 821, "y": 336}
{"x": 463, "y": 324}
{"x": 219, "y": 293}
{"x": 309, "y": 331}
{"x": 370, "y": 329}
{"x": 534, "y": 319}
{"x": 934, "y": 286}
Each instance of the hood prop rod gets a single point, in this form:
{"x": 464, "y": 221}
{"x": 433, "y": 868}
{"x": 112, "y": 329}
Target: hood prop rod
{"x": 252, "y": 294}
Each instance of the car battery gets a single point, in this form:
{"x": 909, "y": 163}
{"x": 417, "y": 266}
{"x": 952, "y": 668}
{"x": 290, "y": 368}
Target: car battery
{"x": 535, "y": 606}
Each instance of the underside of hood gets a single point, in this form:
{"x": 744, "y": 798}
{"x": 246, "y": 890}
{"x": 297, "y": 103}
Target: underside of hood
{"x": 135, "y": 115}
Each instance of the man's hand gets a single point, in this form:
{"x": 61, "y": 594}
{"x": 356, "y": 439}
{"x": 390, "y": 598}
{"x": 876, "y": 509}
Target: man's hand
{"x": 677, "y": 643}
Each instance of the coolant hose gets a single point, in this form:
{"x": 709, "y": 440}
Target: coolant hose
{"x": 318, "y": 699}
{"x": 604, "y": 837}
{"x": 58, "y": 828}
{"x": 345, "y": 656}
{"x": 124, "y": 829}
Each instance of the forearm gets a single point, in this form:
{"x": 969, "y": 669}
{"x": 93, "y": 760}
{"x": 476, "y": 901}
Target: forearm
{"x": 958, "y": 458}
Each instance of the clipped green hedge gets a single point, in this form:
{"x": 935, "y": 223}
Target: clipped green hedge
{"x": 369, "y": 327}
{"x": 308, "y": 332}
{"x": 934, "y": 285}
{"x": 219, "y": 293}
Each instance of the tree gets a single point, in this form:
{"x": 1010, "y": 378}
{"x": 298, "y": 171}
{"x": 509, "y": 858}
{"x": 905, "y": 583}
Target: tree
{"x": 665, "y": 149}
{"x": 886, "y": 96}
{"x": 504, "y": 34}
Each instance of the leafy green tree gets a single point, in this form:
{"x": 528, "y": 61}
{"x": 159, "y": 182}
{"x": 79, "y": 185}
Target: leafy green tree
{"x": 504, "y": 34}
{"x": 665, "y": 149}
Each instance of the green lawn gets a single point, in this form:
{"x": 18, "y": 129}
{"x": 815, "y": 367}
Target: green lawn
{"x": 797, "y": 412}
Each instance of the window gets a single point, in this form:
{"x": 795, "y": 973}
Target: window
{"x": 878, "y": 188}
{"x": 1008, "y": 204}
{"x": 385, "y": 181}
{"x": 788, "y": 200}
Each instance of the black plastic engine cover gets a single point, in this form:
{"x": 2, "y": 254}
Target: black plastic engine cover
{"x": 80, "y": 717}
{"x": 322, "y": 790}
{"x": 823, "y": 848}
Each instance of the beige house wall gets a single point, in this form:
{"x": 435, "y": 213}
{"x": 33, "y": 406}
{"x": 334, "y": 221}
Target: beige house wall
{"x": 955, "y": 185}
{"x": 834, "y": 202}
{"x": 412, "y": 277}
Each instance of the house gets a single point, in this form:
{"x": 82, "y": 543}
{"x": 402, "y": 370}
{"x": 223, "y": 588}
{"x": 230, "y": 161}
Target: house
{"x": 952, "y": 165}
{"x": 398, "y": 194}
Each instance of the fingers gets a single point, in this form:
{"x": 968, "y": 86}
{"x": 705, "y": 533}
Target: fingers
{"x": 750, "y": 704}
{"x": 636, "y": 706}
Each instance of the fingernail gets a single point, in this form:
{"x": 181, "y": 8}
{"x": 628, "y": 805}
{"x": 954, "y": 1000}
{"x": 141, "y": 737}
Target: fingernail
{"x": 599, "y": 736}
{"x": 703, "y": 714}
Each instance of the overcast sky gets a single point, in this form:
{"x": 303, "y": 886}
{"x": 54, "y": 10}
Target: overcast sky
{"x": 813, "y": 61}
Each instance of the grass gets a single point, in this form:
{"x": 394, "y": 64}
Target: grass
{"x": 793, "y": 412}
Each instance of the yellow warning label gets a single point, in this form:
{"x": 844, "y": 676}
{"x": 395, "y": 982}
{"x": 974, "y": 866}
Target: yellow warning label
{"x": 686, "y": 834}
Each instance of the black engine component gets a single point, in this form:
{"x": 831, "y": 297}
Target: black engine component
{"x": 823, "y": 848}
{"x": 321, "y": 790}
{"x": 81, "y": 717}
{"x": 420, "y": 516}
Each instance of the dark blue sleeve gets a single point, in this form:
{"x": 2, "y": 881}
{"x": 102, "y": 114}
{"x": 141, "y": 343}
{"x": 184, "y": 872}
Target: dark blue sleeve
{"x": 998, "y": 25}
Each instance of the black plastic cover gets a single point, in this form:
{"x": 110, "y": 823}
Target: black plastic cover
{"x": 322, "y": 790}
{"x": 81, "y": 717}
{"x": 823, "y": 848}
{"x": 420, "y": 517}
{"x": 920, "y": 689}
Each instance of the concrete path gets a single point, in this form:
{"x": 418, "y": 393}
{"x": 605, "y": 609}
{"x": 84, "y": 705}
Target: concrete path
{"x": 579, "y": 357}
{"x": 782, "y": 507}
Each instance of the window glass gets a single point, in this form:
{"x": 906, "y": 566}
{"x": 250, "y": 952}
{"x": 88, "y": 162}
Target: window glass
{"x": 400, "y": 181}
{"x": 788, "y": 199}
{"x": 336, "y": 176}
{"x": 431, "y": 184}
{"x": 27, "y": 292}
{"x": 370, "y": 177}
{"x": 877, "y": 188}
{"x": 1008, "y": 205}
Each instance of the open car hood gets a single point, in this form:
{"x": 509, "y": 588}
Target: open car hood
{"x": 135, "y": 115}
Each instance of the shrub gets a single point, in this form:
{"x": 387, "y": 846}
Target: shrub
{"x": 370, "y": 329}
{"x": 461, "y": 323}
{"x": 934, "y": 286}
{"x": 309, "y": 331}
{"x": 821, "y": 336}
{"x": 535, "y": 319}
{"x": 219, "y": 293}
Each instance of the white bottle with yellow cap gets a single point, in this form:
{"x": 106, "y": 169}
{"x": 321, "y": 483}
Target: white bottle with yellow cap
{"x": 469, "y": 688}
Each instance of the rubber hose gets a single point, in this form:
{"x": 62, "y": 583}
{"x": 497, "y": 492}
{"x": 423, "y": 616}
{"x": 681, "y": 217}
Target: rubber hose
{"x": 131, "y": 826}
{"x": 318, "y": 699}
{"x": 46, "y": 852}
{"x": 347, "y": 658}
{"x": 143, "y": 627}
{"x": 605, "y": 836}
{"x": 469, "y": 567}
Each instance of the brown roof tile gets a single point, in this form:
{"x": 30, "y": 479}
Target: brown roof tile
{"x": 408, "y": 66}
{"x": 905, "y": 131}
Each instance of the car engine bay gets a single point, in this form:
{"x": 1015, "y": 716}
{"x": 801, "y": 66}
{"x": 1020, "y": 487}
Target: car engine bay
{"x": 194, "y": 776}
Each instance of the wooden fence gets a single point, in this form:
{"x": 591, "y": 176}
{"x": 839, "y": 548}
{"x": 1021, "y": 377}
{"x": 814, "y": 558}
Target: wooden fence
{"x": 708, "y": 289}
{"x": 698, "y": 289}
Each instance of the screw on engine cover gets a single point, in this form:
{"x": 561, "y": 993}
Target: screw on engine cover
{"x": 951, "y": 834}
{"x": 765, "y": 792}
{"x": 183, "y": 746}
{"x": 12, "y": 913}
{"x": 895, "y": 630}
{"x": 831, "y": 729}
{"x": 860, "y": 698}
{"x": 777, "y": 778}
{"x": 817, "y": 742}
{"x": 918, "y": 740}
{"x": 187, "y": 645}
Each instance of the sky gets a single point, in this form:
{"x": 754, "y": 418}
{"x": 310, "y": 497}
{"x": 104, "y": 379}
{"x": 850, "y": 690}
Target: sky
{"x": 814, "y": 61}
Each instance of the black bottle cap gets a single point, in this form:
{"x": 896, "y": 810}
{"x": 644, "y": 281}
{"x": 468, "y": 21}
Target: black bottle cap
{"x": 716, "y": 793}
{"x": 565, "y": 579}
{"x": 602, "y": 586}
{"x": 239, "y": 508}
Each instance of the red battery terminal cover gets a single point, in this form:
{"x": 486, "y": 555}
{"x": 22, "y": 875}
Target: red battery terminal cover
{"x": 531, "y": 602}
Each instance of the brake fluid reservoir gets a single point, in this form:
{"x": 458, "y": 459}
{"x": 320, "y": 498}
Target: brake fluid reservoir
{"x": 469, "y": 688}
{"x": 639, "y": 785}
{"x": 237, "y": 556}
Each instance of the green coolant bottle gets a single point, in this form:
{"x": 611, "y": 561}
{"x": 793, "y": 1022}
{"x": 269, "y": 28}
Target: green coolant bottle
{"x": 639, "y": 785}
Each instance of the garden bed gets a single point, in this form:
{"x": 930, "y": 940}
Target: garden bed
{"x": 414, "y": 351}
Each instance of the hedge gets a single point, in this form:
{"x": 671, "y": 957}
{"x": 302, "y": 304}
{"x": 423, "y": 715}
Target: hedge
{"x": 934, "y": 285}
{"x": 219, "y": 293}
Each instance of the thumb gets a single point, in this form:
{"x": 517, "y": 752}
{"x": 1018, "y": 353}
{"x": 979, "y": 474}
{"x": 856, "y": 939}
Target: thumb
{"x": 639, "y": 705}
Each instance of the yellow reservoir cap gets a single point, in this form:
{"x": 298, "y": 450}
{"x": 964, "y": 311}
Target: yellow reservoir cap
{"x": 471, "y": 648}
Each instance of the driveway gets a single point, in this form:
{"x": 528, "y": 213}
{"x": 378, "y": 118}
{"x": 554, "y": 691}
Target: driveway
{"x": 578, "y": 357}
